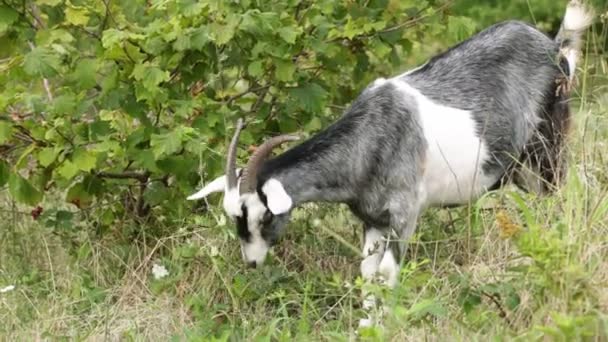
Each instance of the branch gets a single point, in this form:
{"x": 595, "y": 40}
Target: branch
{"x": 140, "y": 176}
{"x": 501, "y": 311}
{"x": 45, "y": 82}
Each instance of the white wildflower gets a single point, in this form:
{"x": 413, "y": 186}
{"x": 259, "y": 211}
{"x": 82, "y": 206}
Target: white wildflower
{"x": 316, "y": 223}
{"x": 7, "y": 289}
{"x": 213, "y": 251}
{"x": 159, "y": 271}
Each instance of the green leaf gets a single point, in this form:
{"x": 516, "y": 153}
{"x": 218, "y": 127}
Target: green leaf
{"x": 77, "y": 16}
{"x": 285, "y": 70}
{"x": 51, "y": 3}
{"x": 183, "y": 42}
{"x": 84, "y": 73}
{"x": 82, "y": 193}
{"x": 84, "y": 160}
{"x": 41, "y": 62}
{"x": 166, "y": 144}
{"x": 223, "y": 33}
{"x": 289, "y": 34}
{"x": 199, "y": 38}
{"x": 5, "y": 172}
{"x": 6, "y": 131}
{"x": 150, "y": 75}
{"x": 427, "y": 307}
{"x": 47, "y": 155}
{"x": 256, "y": 68}
{"x": 7, "y": 17}
{"x": 310, "y": 97}
{"x": 22, "y": 191}
{"x": 112, "y": 37}
{"x": 67, "y": 170}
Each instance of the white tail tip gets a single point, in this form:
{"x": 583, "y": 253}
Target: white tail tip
{"x": 578, "y": 16}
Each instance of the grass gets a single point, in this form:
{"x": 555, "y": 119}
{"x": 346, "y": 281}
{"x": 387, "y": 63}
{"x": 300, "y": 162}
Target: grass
{"x": 510, "y": 266}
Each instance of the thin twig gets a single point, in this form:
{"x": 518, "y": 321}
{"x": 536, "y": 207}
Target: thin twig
{"x": 140, "y": 176}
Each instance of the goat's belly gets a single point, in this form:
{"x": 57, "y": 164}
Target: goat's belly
{"x": 453, "y": 182}
{"x": 455, "y": 154}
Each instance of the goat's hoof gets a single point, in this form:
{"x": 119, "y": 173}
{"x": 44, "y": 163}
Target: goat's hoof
{"x": 365, "y": 323}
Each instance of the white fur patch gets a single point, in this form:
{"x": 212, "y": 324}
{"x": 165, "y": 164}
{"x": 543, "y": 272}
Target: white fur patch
{"x": 232, "y": 202}
{"x": 279, "y": 202}
{"x": 577, "y": 17}
{"x": 256, "y": 249}
{"x": 453, "y": 173}
{"x": 217, "y": 185}
{"x": 389, "y": 269}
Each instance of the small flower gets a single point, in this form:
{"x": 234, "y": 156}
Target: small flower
{"x": 213, "y": 251}
{"x": 7, "y": 289}
{"x": 159, "y": 271}
{"x": 507, "y": 228}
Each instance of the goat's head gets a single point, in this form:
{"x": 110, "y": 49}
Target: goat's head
{"x": 260, "y": 210}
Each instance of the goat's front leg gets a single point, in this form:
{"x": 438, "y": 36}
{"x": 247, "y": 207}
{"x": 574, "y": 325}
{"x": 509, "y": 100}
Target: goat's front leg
{"x": 382, "y": 252}
{"x": 379, "y": 264}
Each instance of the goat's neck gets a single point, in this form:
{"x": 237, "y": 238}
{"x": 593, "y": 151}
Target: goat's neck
{"x": 312, "y": 173}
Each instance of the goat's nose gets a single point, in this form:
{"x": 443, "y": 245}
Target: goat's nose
{"x": 251, "y": 264}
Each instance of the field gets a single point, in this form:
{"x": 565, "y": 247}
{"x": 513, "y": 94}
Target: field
{"x": 511, "y": 266}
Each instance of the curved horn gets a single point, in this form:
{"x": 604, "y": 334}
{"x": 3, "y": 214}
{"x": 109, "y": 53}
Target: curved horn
{"x": 231, "y": 159}
{"x": 250, "y": 172}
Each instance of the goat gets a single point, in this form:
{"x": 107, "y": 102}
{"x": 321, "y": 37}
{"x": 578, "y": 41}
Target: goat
{"x": 490, "y": 110}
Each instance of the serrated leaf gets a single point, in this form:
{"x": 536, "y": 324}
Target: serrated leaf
{"x": 289, "y": 34}
{"x": 84, "y": 160}
{"x": 5, "y": 171}
{"x": 6, "y": 131}
{"x": 7, "y": 17}
{"x": 84, "y": 73}
{"x": 65, "y": 104}
{"x": 47, "y": 155}
{"x": 77, "y": 16}
{"x": 165, "y": 144}
{"x": 41, "y": 62}
{"x": 314, "y": 124}
{"x": 191, "y": 8}
{"x": 199, "y": 38}
{"x": 255, "y": 68}
{"x": 223, "y": 33}
{"x": 22, "y": 191}
{"x": 310, "y": 97}
{"x": 425, "y": 307}
{"x": 112, "y": 37}
{"x": 67, "y": 170}
{"x": 150, "y": 75}
{"x": 183, "y": 42}
{"x": 284, "y": 71}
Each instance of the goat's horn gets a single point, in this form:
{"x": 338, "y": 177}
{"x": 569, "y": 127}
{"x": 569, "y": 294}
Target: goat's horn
{"x": 231, "y": 159}
{"x": 250, "y": 172}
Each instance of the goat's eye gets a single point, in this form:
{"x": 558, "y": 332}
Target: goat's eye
{"x": 267, "y": 217}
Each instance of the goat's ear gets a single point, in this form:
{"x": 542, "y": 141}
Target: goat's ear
{"x": 217, "y": 185}
{"x": 278, "y": 201}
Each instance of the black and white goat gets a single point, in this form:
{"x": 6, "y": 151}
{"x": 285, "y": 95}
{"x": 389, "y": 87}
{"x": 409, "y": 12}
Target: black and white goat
{"x": 491, "y": 109}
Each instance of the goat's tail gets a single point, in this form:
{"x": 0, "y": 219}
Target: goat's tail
{"x": 577, "y": 19}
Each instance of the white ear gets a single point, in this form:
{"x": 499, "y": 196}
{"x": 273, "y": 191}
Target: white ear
{"x": 217, "y": 185}
{"x": 279, "y": 202}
